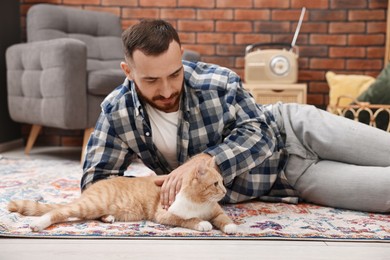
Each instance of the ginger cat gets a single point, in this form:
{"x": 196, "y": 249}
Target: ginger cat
{"x": 135, "y": 199}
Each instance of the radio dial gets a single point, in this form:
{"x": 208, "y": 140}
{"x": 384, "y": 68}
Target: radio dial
{"x": 280, "y": 65}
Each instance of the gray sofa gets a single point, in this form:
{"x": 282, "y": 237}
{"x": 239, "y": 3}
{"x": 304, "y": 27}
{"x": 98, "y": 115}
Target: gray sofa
{"x": 68, "y": 65}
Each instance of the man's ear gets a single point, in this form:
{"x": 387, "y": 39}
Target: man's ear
{"x": 126, "y": 69}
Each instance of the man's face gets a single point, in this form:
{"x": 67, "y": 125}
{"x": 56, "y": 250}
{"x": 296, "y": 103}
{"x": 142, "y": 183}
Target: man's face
{"x": 158, "y": 79}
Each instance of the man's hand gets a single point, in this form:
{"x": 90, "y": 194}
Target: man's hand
{"x": 160, "y": 180}
{"x": 171, "y": 184}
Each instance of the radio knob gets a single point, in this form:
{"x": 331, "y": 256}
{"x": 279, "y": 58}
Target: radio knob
{"x": 280, "y": 65}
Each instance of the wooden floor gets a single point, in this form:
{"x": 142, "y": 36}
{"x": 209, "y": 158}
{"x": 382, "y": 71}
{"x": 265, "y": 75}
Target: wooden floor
{"x": 83, "y": 249}
{"x": 40, "y": 249}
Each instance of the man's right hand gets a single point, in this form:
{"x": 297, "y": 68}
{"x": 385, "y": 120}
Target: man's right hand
{"x": 172, "y": 182}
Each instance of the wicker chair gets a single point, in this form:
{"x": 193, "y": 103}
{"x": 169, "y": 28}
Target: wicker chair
{"x": 375, "y": 115}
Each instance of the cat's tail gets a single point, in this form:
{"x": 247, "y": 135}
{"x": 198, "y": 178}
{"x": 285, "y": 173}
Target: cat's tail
{"x": 30, "y": 207}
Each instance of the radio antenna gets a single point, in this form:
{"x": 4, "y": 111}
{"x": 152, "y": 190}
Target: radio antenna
{"x": 298, "y": 27}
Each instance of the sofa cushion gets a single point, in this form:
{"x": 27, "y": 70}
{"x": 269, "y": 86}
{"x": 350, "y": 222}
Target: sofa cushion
{"x": 379, "y": 91}
{"x": 346, "y": 85}
{"x": 102, "y": 82}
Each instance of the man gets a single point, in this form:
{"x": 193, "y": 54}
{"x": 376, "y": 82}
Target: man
{"x": 173, "y": 114}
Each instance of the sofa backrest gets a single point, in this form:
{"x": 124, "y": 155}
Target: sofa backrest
{"x": 101, "y": 32}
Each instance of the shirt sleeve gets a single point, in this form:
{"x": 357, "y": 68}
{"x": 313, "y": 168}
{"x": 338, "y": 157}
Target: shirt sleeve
{"x": 107, "y": 155}
{"x": 249, "y": 140}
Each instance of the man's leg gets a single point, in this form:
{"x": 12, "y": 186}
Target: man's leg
{"x": 341, "y": 185}
{"x": 326, "y": 149}
{"x": 332, "y": 137}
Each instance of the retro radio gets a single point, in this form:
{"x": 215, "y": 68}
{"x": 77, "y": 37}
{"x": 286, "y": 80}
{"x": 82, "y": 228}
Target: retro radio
{"x": 273, "y": 65}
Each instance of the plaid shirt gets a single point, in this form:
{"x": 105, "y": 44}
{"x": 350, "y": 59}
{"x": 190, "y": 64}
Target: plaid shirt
{"x": 217, "y": 117}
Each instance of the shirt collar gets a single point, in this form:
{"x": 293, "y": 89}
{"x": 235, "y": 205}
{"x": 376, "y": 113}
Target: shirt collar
{"x": 137, "y": 103}
{"x": 185, "y": 107}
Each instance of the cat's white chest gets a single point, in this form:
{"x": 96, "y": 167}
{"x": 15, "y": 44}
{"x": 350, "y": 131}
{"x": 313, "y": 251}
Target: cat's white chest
{"x": 185, "y": 208}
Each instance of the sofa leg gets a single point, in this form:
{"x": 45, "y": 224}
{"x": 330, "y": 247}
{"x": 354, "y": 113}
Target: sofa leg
{"x": 32, "y": 137}
{"x": 87, "y": 133}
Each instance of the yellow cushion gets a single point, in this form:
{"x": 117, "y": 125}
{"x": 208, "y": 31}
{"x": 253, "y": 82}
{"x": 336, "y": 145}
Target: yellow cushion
{"x": 346, "y": 85}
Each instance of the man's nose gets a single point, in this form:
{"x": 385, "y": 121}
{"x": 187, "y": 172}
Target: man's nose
{"x": 166, "y": 89}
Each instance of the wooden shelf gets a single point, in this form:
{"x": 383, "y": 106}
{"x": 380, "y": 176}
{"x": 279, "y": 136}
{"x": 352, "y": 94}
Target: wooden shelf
{"x": 272, "y": 93}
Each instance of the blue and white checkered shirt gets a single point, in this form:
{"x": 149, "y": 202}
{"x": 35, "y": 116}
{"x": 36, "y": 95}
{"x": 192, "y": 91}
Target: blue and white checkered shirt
{"x": 217, "y": 117}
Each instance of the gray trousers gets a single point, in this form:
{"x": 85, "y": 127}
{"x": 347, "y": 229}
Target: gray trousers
{"x": 335, "y": 161}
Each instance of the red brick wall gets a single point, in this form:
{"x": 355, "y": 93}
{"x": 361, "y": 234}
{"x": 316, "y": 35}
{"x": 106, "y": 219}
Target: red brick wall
{"x": 344, "y": 36}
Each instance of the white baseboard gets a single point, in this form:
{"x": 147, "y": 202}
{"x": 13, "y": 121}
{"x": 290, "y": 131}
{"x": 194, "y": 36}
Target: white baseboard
{"x": 11, "y": 145}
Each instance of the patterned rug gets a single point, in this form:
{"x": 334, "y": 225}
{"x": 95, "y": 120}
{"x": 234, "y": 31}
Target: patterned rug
{"x": 57, "y": 181}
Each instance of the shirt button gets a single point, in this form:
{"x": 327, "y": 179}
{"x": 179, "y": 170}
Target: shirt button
{"x": 147, "y": 134}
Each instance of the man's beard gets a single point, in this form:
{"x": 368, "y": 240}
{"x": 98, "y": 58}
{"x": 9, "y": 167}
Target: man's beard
{"x": 165, "y": 108}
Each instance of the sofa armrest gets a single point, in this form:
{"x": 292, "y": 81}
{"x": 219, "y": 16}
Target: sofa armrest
{"x": 46, "y": 83}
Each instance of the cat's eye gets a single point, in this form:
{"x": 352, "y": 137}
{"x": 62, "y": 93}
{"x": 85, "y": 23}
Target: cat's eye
{"x": 216, "y": 184}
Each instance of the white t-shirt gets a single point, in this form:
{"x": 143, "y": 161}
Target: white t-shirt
{"x": 164, "y": 133}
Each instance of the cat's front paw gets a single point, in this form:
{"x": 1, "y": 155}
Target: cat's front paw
{"x": 204, "y": 226}
{"x": 230, "y": 228}
{"x": 37, "y": 226}
{"x": 108, "y": 219}
{"x": 40, "y": 223}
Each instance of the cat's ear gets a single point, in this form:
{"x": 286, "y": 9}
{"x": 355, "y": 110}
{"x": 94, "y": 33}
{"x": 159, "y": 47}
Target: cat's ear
{"x": 201, "y": 169}
{"x": 212, "y": 162}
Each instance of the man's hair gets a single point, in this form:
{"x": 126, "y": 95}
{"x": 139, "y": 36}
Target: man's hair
{"x": 151, "y": 37}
